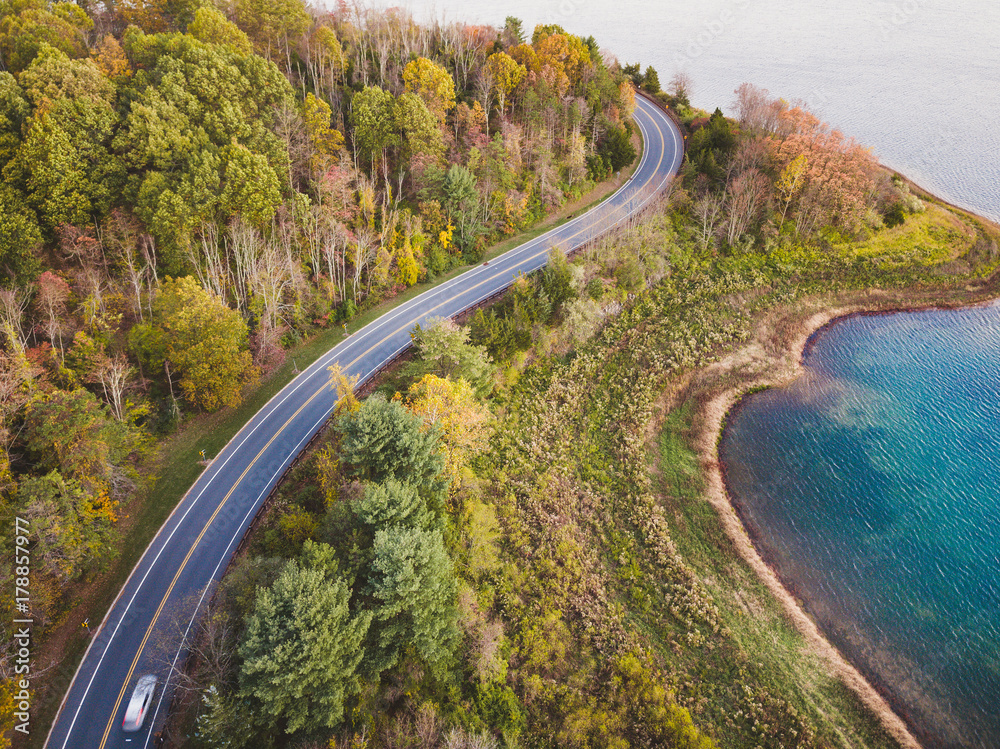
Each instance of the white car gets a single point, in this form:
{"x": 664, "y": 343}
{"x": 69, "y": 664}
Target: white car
{"x": 142, "y": 695}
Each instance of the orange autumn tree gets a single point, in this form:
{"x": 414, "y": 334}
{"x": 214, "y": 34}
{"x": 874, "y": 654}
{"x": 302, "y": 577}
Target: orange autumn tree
{"x": 111, "y": 59}
{"x": 830, "y": 177}
{"x": 564, "y": 58}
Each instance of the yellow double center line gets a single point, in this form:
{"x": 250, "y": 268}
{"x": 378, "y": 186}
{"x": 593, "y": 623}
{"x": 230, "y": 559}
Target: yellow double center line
{"x": 197, "y": 541}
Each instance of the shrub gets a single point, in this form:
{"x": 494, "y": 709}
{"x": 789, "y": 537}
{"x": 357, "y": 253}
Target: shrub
{"x": 895, "y": 216}
{"x": 595, "y": 289}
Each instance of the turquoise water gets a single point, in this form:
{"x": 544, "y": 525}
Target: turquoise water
{"x": 872, "y": 485}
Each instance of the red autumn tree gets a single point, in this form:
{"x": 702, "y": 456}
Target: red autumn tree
{"x": 50, "y": 305}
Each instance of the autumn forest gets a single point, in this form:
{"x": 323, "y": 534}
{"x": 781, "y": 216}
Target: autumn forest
{"x": 180, "y": 204}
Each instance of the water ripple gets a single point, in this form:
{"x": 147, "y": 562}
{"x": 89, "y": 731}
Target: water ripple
{"x": 871, "y": 485}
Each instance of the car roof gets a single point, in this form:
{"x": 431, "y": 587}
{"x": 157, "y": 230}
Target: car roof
{"x": 134, "y": 712}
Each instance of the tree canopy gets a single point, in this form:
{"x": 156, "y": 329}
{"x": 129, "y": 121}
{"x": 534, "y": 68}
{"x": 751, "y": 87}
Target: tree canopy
{"x": 373, "y": 114}
{"x": 443, "y": 349}
{"x": 194, "y": 102}
{"x": 382, "y": 440}
{"x": 452, "y": 408}
{"x": 74, "y": 525}
{"x": 194, "y": 334}
{"x": 186, "y": 190}
{"x": 302, "y": 649}
{"x": 432, "y": 83}
{"x": 391, "y": 503}
{"x": 414, "y": 586}
{"x": 71, "y": 431}
{"x": 212, "y": 27}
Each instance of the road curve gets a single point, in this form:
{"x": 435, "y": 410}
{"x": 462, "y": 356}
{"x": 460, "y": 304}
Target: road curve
{"x": 196, "y": 542}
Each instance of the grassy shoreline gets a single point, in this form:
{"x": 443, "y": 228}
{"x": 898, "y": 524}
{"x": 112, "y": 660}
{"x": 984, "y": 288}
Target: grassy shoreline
{"x": 767, "y": 644}
{"x": 773, "y": 357}
{"x": 692, "y": 414}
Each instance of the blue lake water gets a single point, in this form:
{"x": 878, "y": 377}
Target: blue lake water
{"x": 872, "y": 485}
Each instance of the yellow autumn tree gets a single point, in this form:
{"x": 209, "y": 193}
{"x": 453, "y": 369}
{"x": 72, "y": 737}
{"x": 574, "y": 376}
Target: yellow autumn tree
{"x": 212, "y": 27}
{"x": 327, "y": 141}
{"x": 791, "y": 181}
{"x": 343, "y": 386}
{"x": 327, "y": 459}
{"x": 408, "y": 250}
{"x": 524, "y": 54}
{"x": 194, "y": 334}
{"x": 507, "y": 75}
{"x": 627, "y": 93}
{"x": 462, "y": 421}
{"x": 432, "y": 83}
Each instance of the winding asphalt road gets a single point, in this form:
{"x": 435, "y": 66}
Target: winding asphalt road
{"x": 196, "y": 542}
